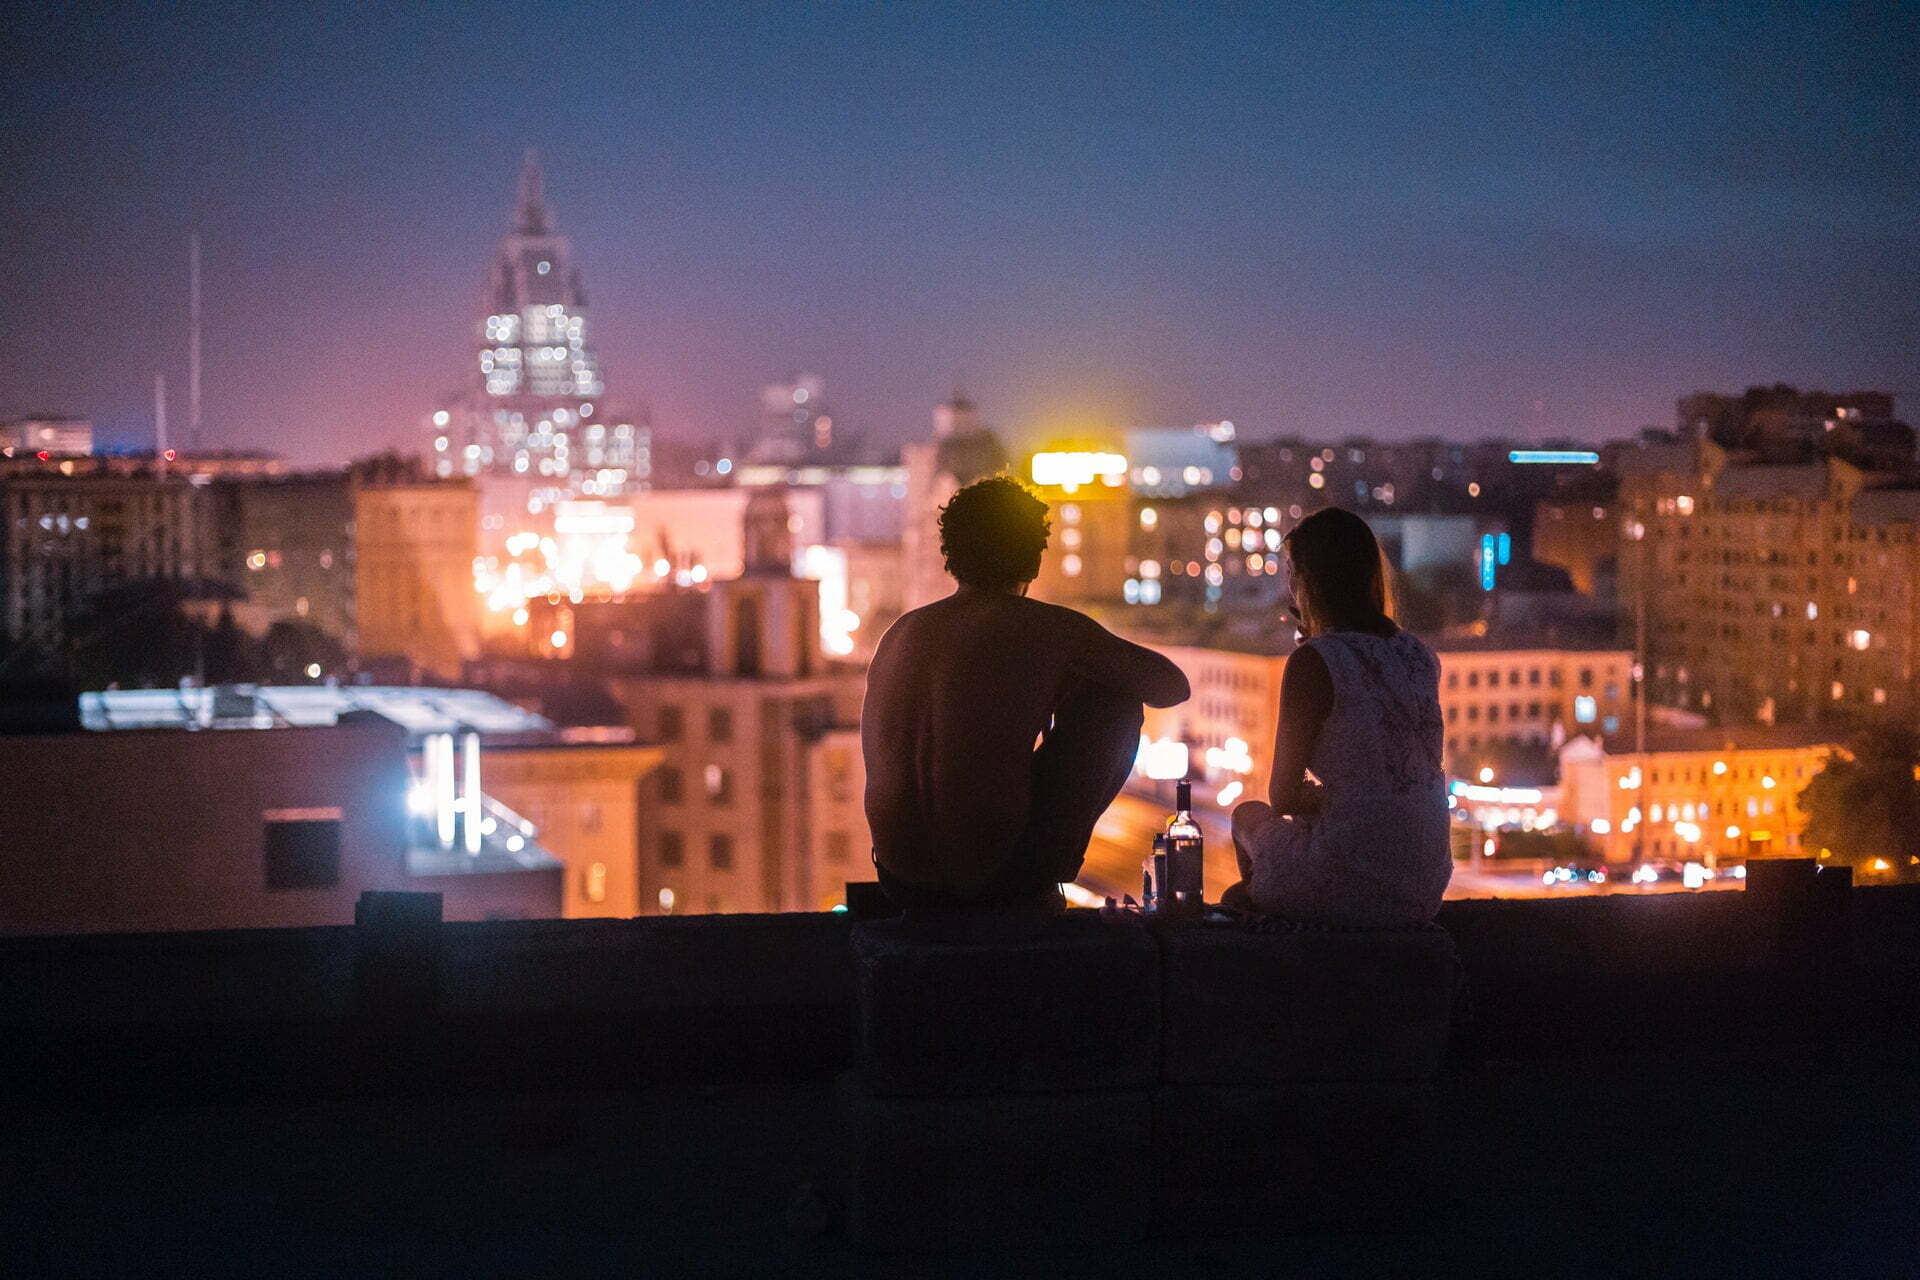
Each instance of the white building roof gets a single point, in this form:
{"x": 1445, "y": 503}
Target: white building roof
{"x": 418, "y": 710}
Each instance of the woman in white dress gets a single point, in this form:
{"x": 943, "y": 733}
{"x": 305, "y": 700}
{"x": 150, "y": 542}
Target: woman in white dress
{"x": 1365, "y": 842}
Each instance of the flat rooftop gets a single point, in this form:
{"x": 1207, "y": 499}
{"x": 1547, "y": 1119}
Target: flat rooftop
{"x": 418, "y": 710}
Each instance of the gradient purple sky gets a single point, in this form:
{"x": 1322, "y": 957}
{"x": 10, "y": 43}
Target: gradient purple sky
{"x": 1329, "y": 220}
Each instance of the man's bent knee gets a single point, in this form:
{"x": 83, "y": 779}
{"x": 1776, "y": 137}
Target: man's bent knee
{"x": 1250, "y": 815}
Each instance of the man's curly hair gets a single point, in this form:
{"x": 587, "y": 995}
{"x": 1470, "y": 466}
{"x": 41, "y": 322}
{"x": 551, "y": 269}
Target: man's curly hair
{"x": 992, "y": 533}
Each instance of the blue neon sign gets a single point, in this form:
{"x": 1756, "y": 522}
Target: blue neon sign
{"x": 1560, "y": 457}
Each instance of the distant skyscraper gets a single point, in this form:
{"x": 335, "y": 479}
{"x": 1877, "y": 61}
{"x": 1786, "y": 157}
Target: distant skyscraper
{"x": 795, "y": 425}
{"x": 534, "y": 403}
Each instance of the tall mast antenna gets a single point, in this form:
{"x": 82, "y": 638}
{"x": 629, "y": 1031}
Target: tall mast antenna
{"x": 159, "y": 416}
{"x": 193, "y": 341}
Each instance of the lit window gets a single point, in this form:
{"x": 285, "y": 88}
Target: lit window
{"x": 1584, "y": 709}
{"x": 596, "y": 885}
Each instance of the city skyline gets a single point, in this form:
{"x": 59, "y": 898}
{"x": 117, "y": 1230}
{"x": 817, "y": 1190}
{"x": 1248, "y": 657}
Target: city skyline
{"x": 1400, "y": 224}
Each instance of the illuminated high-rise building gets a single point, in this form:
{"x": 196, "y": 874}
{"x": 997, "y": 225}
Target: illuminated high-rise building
{"x": 533, "y": 406}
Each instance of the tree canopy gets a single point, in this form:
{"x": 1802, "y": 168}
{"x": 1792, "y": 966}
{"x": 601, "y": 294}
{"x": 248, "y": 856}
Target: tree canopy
{"x": 1863, "y": 807}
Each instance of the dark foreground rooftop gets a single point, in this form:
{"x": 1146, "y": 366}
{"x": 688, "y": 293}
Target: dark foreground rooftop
{"x": 1688, "y": 1085}
{"x": 1643, "y": 1164}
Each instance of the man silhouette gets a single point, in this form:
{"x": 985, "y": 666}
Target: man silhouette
{"x": 967, "y": 812}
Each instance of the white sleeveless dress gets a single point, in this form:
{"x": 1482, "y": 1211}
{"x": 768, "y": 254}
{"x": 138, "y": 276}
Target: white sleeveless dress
{"x": 1378, "y": 852}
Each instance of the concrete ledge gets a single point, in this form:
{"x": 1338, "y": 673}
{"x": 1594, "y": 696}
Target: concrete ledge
{"x": 1075, "y": 1007}
{"x": 186, "y": 1017}
{"x": 1245, "y": 1007}
{"x": 993, "y": 1173}
{"x": 1289, "y": 1159}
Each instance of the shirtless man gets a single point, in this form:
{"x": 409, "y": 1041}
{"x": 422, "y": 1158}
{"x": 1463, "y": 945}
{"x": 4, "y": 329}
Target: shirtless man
{"x": 997, "y": 729}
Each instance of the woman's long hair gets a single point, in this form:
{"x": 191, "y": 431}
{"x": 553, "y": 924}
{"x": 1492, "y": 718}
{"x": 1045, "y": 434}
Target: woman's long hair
{"x": 1340, "y": 575}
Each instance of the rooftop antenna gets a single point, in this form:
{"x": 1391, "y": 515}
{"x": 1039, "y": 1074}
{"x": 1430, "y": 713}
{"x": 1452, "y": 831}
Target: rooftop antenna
{"x": 193, "y": 341}
{"x": 159, "y": 416}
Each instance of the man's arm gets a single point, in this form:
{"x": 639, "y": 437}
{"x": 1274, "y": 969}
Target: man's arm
{"x": 1125, "y": 667}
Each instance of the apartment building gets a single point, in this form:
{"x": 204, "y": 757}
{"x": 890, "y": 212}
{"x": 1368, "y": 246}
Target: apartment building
{"x": 730, "y": 681}
{"x": 1496, "y": 697}
{"x": 1773, "y": 592}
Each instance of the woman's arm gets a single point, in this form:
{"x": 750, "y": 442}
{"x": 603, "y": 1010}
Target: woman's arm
{"x": 1306, "y": 699}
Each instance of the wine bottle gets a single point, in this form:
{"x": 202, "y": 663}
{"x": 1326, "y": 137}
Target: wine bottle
{"x": 1185, "y": 883}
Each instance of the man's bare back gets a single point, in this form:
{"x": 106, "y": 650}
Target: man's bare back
{"x": 958, "y": 695}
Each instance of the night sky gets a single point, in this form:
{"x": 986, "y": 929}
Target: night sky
{"x": 1353, "y": 219}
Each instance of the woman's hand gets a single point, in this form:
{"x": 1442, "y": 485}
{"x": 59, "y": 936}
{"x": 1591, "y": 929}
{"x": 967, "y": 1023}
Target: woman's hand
{"x": 1308, "y": 800}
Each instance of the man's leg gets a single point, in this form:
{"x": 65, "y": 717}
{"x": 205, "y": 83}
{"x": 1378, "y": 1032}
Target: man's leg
{"x": 1077, "y": 771}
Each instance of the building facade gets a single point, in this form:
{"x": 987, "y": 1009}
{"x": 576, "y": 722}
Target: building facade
{"x": 1502, "y": 703}
{"x": 416, "y": 540}
{"x": 839, "y": 843}
{"x": 583, "y": 795}
{"x": 287, "y": 542}
{"x": 1580, "y": 537}
{"x": 1772, "y": 592}
{"x": 68, "y": 538}
{"x": 1500, "y": 706}
{"x": 729, "y": 679}
{"x": 270, "y": 807}
{"x": 1694, "y": 795}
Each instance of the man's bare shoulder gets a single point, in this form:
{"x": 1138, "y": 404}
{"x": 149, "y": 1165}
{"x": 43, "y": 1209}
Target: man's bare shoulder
{"x": 1041, "y": 623}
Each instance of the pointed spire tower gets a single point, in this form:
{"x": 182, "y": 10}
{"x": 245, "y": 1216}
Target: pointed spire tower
{"x": 534, "y": 407}
{"x": 530, "y": 216}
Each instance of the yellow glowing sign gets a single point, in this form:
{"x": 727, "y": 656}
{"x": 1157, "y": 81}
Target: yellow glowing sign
{"x": 1070, "y": 470}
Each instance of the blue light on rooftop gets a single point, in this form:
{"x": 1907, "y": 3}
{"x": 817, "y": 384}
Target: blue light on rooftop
{"x": 1555, "y": 457}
